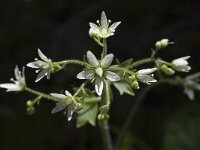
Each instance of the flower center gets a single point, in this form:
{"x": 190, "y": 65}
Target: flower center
{"x": 104, "y": 32}
{"x": 99, "y": 71}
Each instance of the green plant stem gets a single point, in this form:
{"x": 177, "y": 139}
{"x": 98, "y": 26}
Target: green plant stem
{"x": 105, "y": 133}
{"x": 98, "y": 42}
{"x": 141, "y": 62}
{"x": 137, "y": 104}
{"x": 81, "y": 88}
{"x": 116, "y": 68}
{"x": 42, "y": 95}
{"x": 104, "y": 52}
{"x": 72, "y": 61}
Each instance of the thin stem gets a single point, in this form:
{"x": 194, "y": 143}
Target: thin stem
{"x": 81, "y": 88}
{"x": 43, "y": 95}
{"x": 105, "y": 133}
{"x": 104, "y": 52}
{"x": 116, "y": 68}
{"x": 72, "y": 61}
{"x": 98, "y": 42}
{"x": 141, "y": 62}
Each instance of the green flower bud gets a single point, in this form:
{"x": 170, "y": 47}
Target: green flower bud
{"x": 101, "y": 116}
{"x": 162, "y": 44}
{"x": 158, "y": 45}
{"x": 30, "y": 110}
{"x": 29, "y": 103}
{"x": 135, "y": 85}
{"x": 168, "y": 71}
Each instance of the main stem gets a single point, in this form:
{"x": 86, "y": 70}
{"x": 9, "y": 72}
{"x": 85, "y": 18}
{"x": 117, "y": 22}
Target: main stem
{"x": 105, "y": 133}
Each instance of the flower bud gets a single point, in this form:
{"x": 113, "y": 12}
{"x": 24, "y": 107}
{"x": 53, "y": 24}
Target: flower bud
{"x": 168, "y": 71}
{"x": 135, "y": 85}
{"x": 29, "y": 103}
{"x": 30, "y": 110}
{"x": 162, "y": 44}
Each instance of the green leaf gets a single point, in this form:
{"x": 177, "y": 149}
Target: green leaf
{"x": 87, "y": 114}
{"x": 124, "y": 87}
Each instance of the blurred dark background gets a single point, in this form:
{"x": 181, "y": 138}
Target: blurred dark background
{"x": 167, "y": 120}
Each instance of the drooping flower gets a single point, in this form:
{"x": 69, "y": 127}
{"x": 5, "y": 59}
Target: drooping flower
{"x": 181, "y": 64}
{"x": 99, "y": 71}
{"x": 146, "y": 76}
{"x": 18, "y": 84}
{"x": 103, "y": 30}
{"x": 43, "y": 66}
{"x": 67, "y": 102}
{"x": 191, "y": 83}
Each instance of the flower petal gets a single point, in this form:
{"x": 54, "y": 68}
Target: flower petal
{"x": 99, "y": 85}
{"x": 94, "y": 26}
{"x": 10, "y": 87}
{"x": 92, "y": 60}
{"x": 146, "y": 71}
{"x": 59, "y": 96}
{"x": 41, "y": 75}
{"x": 114, "y": 26}
{"x": 59, "y": 107}
{"x": 42, "y": 56}
{"x": 86, "y": 74}
{"x": 189, "y": 93}
{"x": 107, "y": 60}
{"x": 68, "y": 93}
{"x": 69, "y": 113}
{"x": 104, "y": 21}
{"x": 144, "y": 78}
{"x": 112, "y": 76}
{"x": 17, "y": 73}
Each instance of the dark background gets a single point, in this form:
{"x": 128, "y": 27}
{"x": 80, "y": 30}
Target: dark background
{"x": 167, "y": 120}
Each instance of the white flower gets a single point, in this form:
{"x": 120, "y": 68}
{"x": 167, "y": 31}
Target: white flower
{"x": 146, "y": 76}
{"x": 181, "y": 64}
{"x": 103, "y": 30}
{"x": 67, "y": 102}
{"x": 191, "y": 84}
{"x": 18, "y": 84}
{"x": 43, "y": 66}
{"x": 99, "y": 71}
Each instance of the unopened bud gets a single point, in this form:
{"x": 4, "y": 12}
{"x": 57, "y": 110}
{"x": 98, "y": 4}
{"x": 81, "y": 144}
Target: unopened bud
{"x": 29, "y": 103}
{"x": 135, "y": 85}
{"x": 30, "y": 110}
{"x": 168, "y": 71}
{"x": 162, "y": 44}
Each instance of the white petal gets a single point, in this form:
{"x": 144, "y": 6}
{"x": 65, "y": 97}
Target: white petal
{"x": 69, "y": 113}
{"x": 112, "y": 76}
{"x": 114, "y": 26}
{"x": 190, "y": 93}
{"x": 86, "y": 74}
{"x": 94, "y": 26}
{"x": 41, "y": 75}
{"x": 197, "y": 87}
{"x": 68, "y": 93}
{"x": 147, "y": 79}
{"x": 99, "y": 85}
{"x": 10, "y": 87}
{"x": 104, "y": 21}
{"x": 146, "y": 71}
{"x": 107, "y": 60}
{"x": 42, "y": 56}
{"x": 59, "y": 107}
{"x": 17, "y": 73}
{"x": 92, "y": 60}
{"x": 38, "y": 64}
{"x": 59, "y": 96}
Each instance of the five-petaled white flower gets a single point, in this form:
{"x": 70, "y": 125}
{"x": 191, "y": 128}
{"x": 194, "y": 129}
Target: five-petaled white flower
{"x": 181, "y": 64}
{"x": 146, "y": 76}
{"x": 99, "y": 71}
{"x": 191, "y": 83}
{"x": 44, "y": 66}
{"x": 103, "y": 30}
{"x": 19, "y": 84}
{"x": 67, "y": 102}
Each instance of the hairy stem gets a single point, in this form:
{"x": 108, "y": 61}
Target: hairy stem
{"x": 42, "y": 95}
{"x": 141, "y": 62}
{"x": 104, "y": 52}
{"x": 71, "y": 61}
